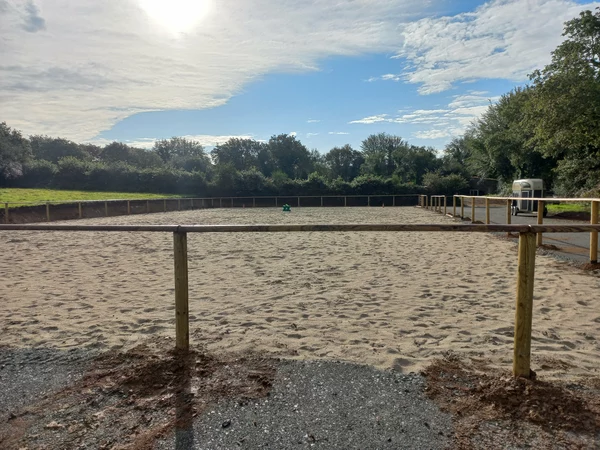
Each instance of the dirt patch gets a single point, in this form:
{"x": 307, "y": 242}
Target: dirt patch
{"x": 572, "y": 215}
{"x": 492, "y": 409}
{"x": 128, "y": 400}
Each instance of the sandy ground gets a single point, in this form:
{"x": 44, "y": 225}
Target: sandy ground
{"x": 385, "y": 299}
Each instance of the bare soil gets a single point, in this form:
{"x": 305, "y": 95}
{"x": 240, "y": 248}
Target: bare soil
{"x": 492, "y": 409}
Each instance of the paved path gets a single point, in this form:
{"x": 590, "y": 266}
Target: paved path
{"x": 571, "y": 246}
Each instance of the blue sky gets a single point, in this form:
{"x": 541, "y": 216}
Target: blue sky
{"x": 330, "y": 72}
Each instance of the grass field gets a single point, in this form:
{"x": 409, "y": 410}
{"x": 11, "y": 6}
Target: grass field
{"x": 40, "y": 196}
{"x": 569, "y": 207}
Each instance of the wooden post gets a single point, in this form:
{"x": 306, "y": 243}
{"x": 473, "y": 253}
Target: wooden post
{"x": 298, "y": 202}
{"x": 80, "y": 211}
{"x": 232, "y": 202}
{"x": 48, "y": 212}
{"x": 321, "y": 201}
{"x": 165, "y": 205}
{"x": 128, "y": 207}
{"x": 368, "y": 200}
{"x": 472, "y": 209}
{"x": 192, "y": 203}
{"x": 462, "y": 207}
{"x": 524, "y": 306}
{"x": 508, "y": 214}
{"x": 275, "y": 202}
{"x": 182, "y": 326}
{"x": 345, "y": 201}
{"x": 487, "y": 211}
{"x": 540, "y": 221}
{"x": 393, "y": 200}
{"x": 178, "y": 204}
{"x": 593, "y": 234}
{"x": 445, "y": 205}
{"x": 148, "y": 206}
{"x": 106, "y": 209}
{"x": 454, "y": 206}
{"x": 6, "y": 212}
{"x": 253, "y": 202}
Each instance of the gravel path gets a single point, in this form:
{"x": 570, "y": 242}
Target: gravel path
{"x": 327, "y": 405}
{"x": 28, "y": 374}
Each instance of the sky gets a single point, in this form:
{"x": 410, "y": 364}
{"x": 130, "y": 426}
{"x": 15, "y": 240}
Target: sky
{"x": 330, "y": 72}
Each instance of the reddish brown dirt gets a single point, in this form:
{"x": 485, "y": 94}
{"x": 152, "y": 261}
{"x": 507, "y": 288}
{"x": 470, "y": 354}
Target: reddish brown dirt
{"x": 128, "y": 400}
{"x": 492, "y": 409}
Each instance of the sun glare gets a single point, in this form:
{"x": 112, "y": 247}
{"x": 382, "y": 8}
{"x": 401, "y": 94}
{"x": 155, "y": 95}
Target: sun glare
{"x": 177, "y": 16}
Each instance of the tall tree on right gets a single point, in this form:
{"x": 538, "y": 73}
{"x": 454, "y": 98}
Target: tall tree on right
{"x": 564, "y": 111}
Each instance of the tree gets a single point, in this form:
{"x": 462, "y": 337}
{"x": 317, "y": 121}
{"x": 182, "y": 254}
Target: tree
{"x": 167, "y": 149}
{"x": 382, "y": 152}
{"x": 242, "y": 154}
{"x": 119, "y": 152}
{"x": 15, "y": 151}
{"x": 344, "y": 162}
{"x": 55, "y": 149}
{"x": 455, "y": 158}
{"x": 290, "y": 156}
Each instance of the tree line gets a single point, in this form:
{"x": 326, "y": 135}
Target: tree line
{"x": 385, "y": 164}
{"x": 547, "y": 129}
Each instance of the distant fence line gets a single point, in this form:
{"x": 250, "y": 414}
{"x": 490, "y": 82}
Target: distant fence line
{"x": 140, "y": 206}
{"x": 439, "y": 203}
{"x": 525, "y": 264}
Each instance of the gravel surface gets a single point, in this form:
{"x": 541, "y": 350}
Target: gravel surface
{"x": 28, "y": 374}
{"x": 329, "y": 405}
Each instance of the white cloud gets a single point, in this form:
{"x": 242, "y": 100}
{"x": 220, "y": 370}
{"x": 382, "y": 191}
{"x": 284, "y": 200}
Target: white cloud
{"x": 337, "y": 132}
{"x": 92, "y": 63}
{"x": 504, "y": 39}
{"x": 311, "y": 134}
{"x": 440, "y": 123}
{"x": 205, "y": 140}
{"x": 312, "y": 121}
{"x": 372, "y": 119}
{"x": 292, "y": 134}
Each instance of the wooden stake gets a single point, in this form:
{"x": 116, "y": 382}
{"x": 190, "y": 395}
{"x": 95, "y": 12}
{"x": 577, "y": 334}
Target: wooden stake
{"x": 232, "y": 202}
{"x": 275, "y": 202}
{"x": 524, "y": 306}
{"x": 393, "y": 200}
{"x": 128, "y": 207}
{"x": 182, "y": 326}
{"x": 345, "y": 201}
{"x": 445, "y": 205}
{"x": 472, "y": 209}
{"x": 454, "y": 206}
{"x": 80, "y": 211}
{"x": 47, "y": 212}
{"x": 165, "y": 205}
{"x": 106, "y": 209}
{"x": 508, "y": 213}
{"x": 593, "y": 234}
{"x": 148, "y": 206}
{"x": 462, "y": 207}
{"x": 321, "y": 201}
{"x": 487, "y": 211}
{"x": 6, "y": 213}
{"x": 192, "y": 203}
{"x": 253, "y": 202}
{"x": 178, "y": 204}
{"x": 298, "y": 202}
{"x": 368, "y": 201}
{"x": 540, "y": 220}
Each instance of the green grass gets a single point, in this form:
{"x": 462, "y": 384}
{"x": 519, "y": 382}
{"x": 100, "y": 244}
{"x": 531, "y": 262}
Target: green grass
{"x": 41, "y": 196}
{"x": 569, "y": 207}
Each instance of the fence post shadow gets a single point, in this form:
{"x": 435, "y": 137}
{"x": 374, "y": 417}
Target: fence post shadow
{"x": 184, "y": 411}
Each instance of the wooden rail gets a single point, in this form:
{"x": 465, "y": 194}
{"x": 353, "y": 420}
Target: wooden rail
{"x": 594, "y": 206}
{"x": 525, "y": 270}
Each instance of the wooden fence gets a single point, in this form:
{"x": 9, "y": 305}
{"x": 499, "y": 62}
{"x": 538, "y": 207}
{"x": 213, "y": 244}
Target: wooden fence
{"x": 137, "y": 206}
{"x": 525, "y": 263}
{"x": 438, "y": 203}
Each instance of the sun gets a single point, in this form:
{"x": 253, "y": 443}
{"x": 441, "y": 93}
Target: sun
{"x": 177, "y": 16}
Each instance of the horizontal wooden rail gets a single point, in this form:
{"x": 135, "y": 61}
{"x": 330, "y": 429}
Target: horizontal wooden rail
{"x": 481, "y": 228}
{"x": 546, "y": 199}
